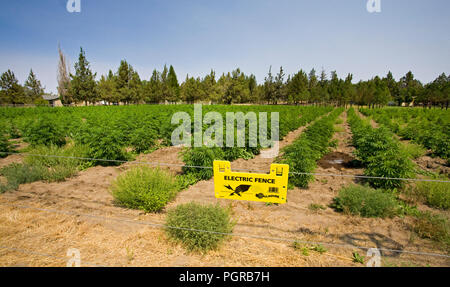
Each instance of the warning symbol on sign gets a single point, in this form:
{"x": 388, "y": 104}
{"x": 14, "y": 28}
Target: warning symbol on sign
{"x": 270, "y": 187}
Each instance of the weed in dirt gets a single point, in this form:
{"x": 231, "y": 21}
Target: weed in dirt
{"x": 357, "y": 258}
{"x": 316, "y": 207}
{"x": 319, "y": 248}
{"x": 145, "y": 188}
{"x": 366, "y": 202}
{"x": 17, "y": 174}
{"x": 184, "y": 220}
{"x": 303, "y": 249}
{"x": 54, "y": 160}
{"x": 434, "y": 227}
{"x": 434, "y": 194}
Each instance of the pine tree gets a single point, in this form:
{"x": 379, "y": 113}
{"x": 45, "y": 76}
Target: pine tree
{"x": 393, "y": 87}
{"x": 269, "y": 88}
{"x": 279, "y": 92}
{"x": 11, "y": 91}
{"x": 83, "y": 83}
{"x": 33, "y": 88}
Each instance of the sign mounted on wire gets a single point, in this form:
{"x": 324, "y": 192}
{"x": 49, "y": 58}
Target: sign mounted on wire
{"x": 270, "y": 187}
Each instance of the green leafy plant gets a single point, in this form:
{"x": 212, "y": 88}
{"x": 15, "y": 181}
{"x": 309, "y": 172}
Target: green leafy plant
{"x": 435, "y": 194}
{"x": 380, "y": 153}
{"x": 434, "y": 227}
{"x": 319, "y": 248}
{"x": 314, "y": 142}
{"x": 45, "y": 131}
{"x": 357, "y": 258}
{"x": 105, "y": 144}
{"x": 143, "y": 139}
{"x": 366, "y": 202}
{"x": 303, "y": 249}
{"x": 59, "y": 162}
{"x": 145, "y": 188}
{"x": 316, "y": 207}
{"x": 17, "y": 174}
{"x": 5, "y": 146}
{"x": 184, "y": 220}
{"x": 413, "y": 150}
{"x": 204, "y": 157}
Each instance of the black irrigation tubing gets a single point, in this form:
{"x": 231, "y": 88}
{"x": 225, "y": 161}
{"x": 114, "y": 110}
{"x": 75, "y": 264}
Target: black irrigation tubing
{"x": 242, "y": 170}
{"x": 159, "y": 225}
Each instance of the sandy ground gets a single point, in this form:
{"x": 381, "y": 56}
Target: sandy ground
{"x": 132, "y": 243}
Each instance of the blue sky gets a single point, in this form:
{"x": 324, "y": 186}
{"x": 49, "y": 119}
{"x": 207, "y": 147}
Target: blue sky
{"x": 198, "y": 35}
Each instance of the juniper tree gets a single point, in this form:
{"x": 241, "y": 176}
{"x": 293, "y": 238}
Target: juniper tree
{"x": 173, "y": 87}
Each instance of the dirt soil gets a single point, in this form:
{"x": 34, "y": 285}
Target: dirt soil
{"x": 52, "y": 229}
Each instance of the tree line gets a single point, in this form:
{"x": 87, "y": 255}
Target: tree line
{"x": 126, "y": 86}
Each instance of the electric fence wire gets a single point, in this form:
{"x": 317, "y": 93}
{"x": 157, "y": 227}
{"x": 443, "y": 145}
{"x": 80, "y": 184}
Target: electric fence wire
{"x": 243, "y": 235}
{"x": 241, "y": 170}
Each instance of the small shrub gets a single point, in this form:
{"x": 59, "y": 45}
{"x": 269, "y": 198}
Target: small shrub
{"x": 435, "y": 194}
{"x": 59, "y": 163}
{"x": 434, "y": 227}
{"x": 17, "y": 174}
{"x": 212, "y": 218}
{"x": 366, "y": 202}
{"x": 391, "y": 164}
{"x": 4, "y": 146}
{"x": 145, "y": 188}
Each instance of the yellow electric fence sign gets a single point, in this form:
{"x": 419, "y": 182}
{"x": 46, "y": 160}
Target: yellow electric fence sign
{"x": 270, "y": 187}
